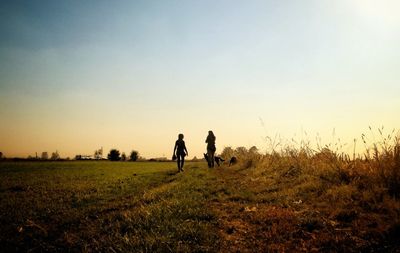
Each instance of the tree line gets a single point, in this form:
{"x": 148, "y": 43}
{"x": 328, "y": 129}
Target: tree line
{"x": 113, "y": 155}
{"x": 116, "y": 155}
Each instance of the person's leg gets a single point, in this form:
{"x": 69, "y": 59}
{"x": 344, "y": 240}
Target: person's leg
{"x": 209, "y": 155}
{"x": 178, "y": 161}
{"x": 207, "y": 159}
{"x": 212, "y": 159}
{"x": 182, "y": 162}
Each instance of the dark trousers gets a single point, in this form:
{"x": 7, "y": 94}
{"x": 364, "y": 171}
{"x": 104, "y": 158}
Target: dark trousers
{"x": 180, "y": 161}
{"x": 210, "y": 154}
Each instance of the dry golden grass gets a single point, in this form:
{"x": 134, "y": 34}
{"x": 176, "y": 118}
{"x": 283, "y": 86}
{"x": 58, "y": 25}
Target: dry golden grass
{"x": 307, "y": 200}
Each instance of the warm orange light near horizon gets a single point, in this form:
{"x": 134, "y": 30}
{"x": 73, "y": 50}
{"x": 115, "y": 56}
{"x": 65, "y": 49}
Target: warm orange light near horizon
{"x": 135, "y": 75}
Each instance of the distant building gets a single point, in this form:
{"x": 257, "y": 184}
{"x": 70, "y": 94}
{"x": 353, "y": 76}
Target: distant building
{"x": 83, "y": 157}
{"x": 158, "y": 159}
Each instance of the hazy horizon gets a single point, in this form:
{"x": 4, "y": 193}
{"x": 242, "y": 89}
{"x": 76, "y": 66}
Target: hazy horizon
{"x": 76, "y": 76}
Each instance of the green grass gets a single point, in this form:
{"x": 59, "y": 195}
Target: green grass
{"x": 104, "y": 206}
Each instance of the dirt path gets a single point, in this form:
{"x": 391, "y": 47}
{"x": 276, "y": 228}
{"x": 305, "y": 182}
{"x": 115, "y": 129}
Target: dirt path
{"x": 248, "y": 226}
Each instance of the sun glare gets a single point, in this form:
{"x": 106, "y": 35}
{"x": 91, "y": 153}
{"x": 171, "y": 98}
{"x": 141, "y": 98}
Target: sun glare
{"x": 381, "y": 11}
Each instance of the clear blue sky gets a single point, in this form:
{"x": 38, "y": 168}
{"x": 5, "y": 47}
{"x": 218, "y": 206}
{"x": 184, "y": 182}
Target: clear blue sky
{"x": 78, "y": 75}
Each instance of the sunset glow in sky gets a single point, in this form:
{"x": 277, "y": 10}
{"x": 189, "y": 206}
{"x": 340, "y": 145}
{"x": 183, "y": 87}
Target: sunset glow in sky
{"x": 79, "y": 75}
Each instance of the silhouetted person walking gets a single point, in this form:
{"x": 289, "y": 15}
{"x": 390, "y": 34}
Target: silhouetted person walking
{"x": 211, "y": 148}
{"x": 180, "y": 152}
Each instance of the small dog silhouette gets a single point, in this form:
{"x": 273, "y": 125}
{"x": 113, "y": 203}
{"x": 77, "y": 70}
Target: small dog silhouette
{"x": 217, "y": 159}
{"x": 233, "y": 160}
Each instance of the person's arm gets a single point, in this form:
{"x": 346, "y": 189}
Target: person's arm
{"x": 187, "y": 153}
{"x": 176, "y": 145}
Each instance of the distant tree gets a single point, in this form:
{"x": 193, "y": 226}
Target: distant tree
{"x": 55, "y": 156}
{"x": 45, "y": 156}
{"x": 241, "y": 151}
{"x": 98, "y": 154}
{"x": 114, "y": 155}
{"x": 227, "y": 153}
{"x": 326, "y": 154}
{"x": 123, "y": 156}
{"x": 1, "y": 155}
{"x": 253, "y": 150}
{"x": 134, "y": 155}
{"x": 254, "y": 154}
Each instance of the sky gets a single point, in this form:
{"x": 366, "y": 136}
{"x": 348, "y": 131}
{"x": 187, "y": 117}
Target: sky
{"x": 79, "y": 75}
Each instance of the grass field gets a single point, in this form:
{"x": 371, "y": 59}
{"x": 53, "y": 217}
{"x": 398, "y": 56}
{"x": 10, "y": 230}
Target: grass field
{"x": 271, "y": 203}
